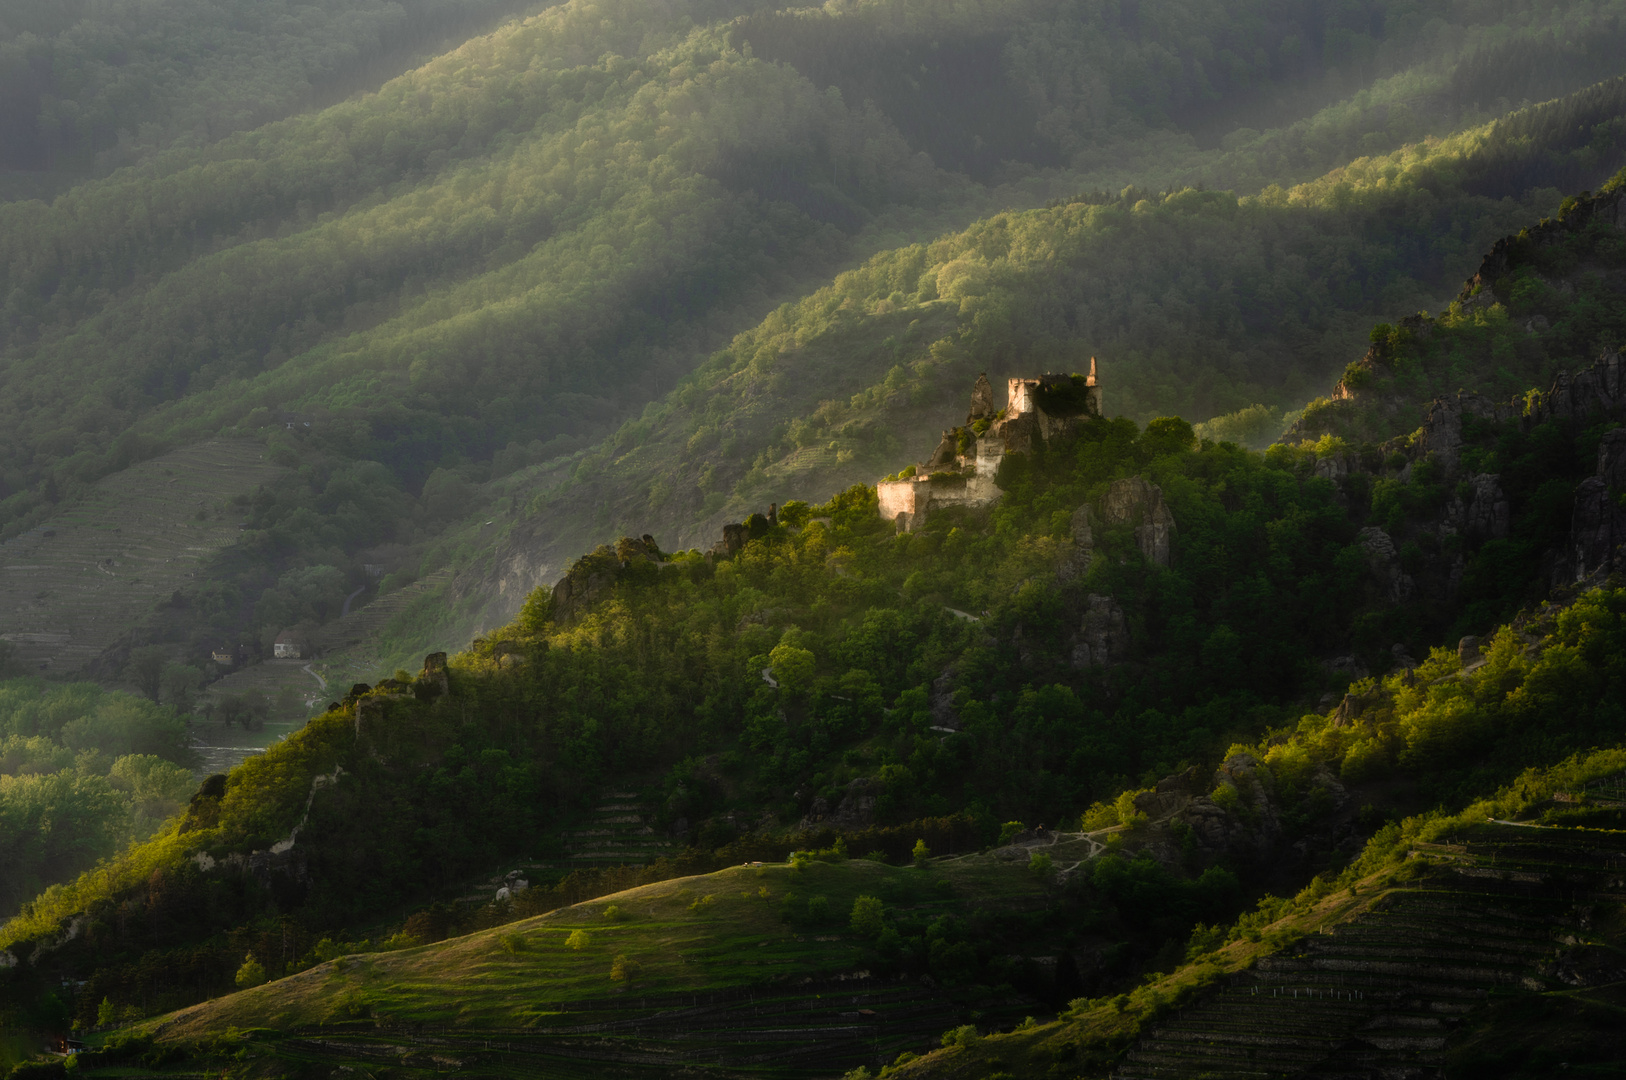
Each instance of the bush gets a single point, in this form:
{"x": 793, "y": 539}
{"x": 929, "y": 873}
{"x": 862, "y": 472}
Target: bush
{"x": 1041, "y": 867}
{"x": 1008, "y": 831}
{"x": 921, "y": 853}
{"x": 623, "y": 970}
{"x": 964, "y": 1035}
{"x": 579, "y": 940}
{"x": 614, "y": 913}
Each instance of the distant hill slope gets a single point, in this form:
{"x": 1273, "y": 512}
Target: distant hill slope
{"x": 85, "y": 88}
{"x": 70, "y": 588}
{"x": 495, "y": 259}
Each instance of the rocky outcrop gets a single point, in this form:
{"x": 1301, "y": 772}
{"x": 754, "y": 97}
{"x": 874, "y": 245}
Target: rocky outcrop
{"x": 1599, "y": 390}
{"x": 1103, "y": 635}
{"x": 1612, "y": 460}
{"x": 1383, "y": 564}
{"x": 946, "y": 454}
{"x": 1485, "y": 514}
{"x": 982, "y": 401}
{"x": 1597, "y": 529}
{"x": 856, "y": 810}
{"x": 1597, "y": 519}
{"x": 1441, "y": 436}
{"x": 434, "y": 680}
{"x": 589, "y": 578}
{"x": 1236, "y": 813}
{"x": 1077, "y": 560}
{"x": 1133, "y": 501}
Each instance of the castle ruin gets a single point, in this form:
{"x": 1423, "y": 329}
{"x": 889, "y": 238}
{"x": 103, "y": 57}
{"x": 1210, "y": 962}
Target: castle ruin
{"x": 962, "y": 470}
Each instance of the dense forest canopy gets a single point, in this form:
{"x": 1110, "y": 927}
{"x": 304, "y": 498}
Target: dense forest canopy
{"x": 83, "y": 772}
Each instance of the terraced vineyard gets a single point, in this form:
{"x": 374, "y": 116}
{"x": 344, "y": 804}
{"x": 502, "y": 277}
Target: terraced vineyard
{"x": 815, "y": 1028}
{"x": 1493, "y": 918}
{"x": 70, "y": 588}
{"x": 620, "y": 831}
{"x": 715, "y": 982}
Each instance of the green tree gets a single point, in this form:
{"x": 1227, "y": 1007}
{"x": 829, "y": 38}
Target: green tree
{"x": 868, "y": 916}
{"x": 251, "y": 973}
{"x": 792, "y": 668}
{"x": 921, "y": 853}
{"x": 145, "y": 670}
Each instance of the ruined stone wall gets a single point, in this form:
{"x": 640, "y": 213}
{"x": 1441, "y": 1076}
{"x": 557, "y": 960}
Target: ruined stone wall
{"x": 896, "y": 497}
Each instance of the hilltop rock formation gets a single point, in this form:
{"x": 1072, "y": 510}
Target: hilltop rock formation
{"x": 593, "y": 575}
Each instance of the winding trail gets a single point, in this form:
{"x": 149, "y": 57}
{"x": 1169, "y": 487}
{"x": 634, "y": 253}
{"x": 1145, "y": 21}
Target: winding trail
{"x": 320, "y": 682}
{"x": 347, "y": 600}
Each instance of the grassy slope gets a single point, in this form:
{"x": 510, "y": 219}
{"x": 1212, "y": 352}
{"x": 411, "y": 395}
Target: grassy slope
{"x": 524, "y": 981}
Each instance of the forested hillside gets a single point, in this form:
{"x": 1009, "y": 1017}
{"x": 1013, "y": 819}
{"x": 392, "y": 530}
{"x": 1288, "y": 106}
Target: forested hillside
{"x": 87, "y": 87}
{"x": 1197, "y": 303}
{"x": 426, "y": 299}
{"x": 1040, "y": 661}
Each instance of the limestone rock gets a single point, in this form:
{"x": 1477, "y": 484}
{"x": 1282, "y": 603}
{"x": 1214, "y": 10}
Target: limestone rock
{"x": 1133, "y": 501}
{"x": 944, "y": 714}
{"x": 855, "y": 811}
{"x": 434, "y": 681}
{"x": 1597, "y": 529}
{"x": 1612, "y": 460}
{"x": 1103, "y": 636}
{"x": 733, "y": 539}
{"x": 1078, "y": 559}
{"x": 945, "y": 454}
{"x": 1468, "y": 651}
{"x": 1486, "y": 514}
{"x": 1353, "y": 705}
{"x": 1597, "y": 391}
{"x": 982, "y": 401}
{"x": 1173, "y": 793}
{"x": 1336, "y": 467}
{"x": 1442, "y": 432}
{"x": 1383, "y": 561}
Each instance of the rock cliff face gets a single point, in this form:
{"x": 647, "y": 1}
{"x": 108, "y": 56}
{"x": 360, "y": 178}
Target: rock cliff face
{"x": 1103, "y": 635}
{"x": 1485, "y": 514}
{"x": 856, "y": 810}
{"x": 1598, "y": 520}
{"x": 1133, "y": 501}
{"x": 1383, "y": 563}
{"x": 1077, "y": 562}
